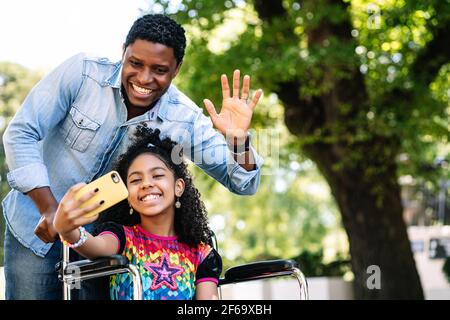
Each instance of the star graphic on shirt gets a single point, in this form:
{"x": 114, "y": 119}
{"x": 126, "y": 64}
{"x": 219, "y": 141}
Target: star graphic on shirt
{"x": 163, "y": 273}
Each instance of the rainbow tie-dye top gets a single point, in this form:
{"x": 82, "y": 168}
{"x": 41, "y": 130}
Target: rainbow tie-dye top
{"x": 168, "y": 267}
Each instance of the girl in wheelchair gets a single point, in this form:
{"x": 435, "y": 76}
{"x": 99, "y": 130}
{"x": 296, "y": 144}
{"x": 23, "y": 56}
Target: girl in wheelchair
{"x": 161, "y": 228}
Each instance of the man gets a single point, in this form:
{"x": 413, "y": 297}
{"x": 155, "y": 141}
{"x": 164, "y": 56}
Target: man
{"x": 78, "y": 119}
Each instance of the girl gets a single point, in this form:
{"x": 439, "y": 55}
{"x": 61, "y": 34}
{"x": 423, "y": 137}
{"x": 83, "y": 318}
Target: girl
{"x": 162, "y": 228}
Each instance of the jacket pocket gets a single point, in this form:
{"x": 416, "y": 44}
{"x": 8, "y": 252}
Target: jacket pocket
{"x": 79, "y": 130}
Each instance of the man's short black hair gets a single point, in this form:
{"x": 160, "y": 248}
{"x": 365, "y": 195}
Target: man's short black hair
{"x": 159, "y": 28}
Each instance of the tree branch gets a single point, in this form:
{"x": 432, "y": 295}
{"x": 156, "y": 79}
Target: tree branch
{"x": 303, "y": 115}
{"x": 269, "y": 9}
{"x": 433, "y": 56}
{"x": 425, "y": 68}
{"x": 288, "y": 92}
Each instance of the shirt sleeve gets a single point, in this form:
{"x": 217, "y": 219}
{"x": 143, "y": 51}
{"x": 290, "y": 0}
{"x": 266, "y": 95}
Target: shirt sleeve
{"x": 42, "y": 110}
{"x": 210, "y": 152}
{"x": 114, "y": 229}
{"x": 210, "y": 268}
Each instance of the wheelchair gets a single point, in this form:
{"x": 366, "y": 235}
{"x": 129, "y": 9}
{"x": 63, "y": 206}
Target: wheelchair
{"x": 72, "y": 273}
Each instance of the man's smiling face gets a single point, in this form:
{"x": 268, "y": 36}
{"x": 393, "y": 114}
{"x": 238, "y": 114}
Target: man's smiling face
{"x": 148, "y": 70}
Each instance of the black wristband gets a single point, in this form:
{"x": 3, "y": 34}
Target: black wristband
{"x": 238, "y": 149}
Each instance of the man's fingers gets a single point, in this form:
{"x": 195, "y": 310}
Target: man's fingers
{"x": 44, "y": 238}
{"x": 41, "y": 233}
{"x": 255, "y": 99}
{"x": 51, "y": 233}
{"x": 236, "y": 83}
{"x": 44, "y": 232}
{"x": 225, "y": 86}
{"x": 210, "y": 108}
{"x": 41, "y": 225}
{"x": 245, "y": 87}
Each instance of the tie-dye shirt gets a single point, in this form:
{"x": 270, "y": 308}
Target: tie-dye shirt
{"x": 170, "y": 270}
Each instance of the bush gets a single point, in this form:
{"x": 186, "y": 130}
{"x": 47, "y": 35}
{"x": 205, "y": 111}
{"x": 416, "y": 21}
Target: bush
{"x": 312, "y": 265}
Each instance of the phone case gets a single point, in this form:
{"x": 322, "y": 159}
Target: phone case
{"x": 111, "y": 190}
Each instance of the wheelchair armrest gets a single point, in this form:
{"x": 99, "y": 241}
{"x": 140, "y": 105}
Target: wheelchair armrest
{"x": 258, "y": 270}
{"x": 85, "y": 267}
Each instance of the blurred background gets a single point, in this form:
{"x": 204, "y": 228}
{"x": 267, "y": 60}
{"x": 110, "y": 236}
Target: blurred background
{"x": 354, "y": 126}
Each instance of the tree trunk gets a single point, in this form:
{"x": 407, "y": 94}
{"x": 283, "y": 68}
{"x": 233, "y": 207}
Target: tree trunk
{"x": 373, "y": 220}
{"x": 363, "y": 179}
{"x": 358, "y": 163}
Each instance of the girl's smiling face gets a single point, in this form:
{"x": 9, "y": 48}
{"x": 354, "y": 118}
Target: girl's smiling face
{"x": 152, "y": 186}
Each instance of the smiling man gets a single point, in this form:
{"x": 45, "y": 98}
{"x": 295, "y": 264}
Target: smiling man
{"x": 78, "y": 119}
{"x": 148, "y": 70}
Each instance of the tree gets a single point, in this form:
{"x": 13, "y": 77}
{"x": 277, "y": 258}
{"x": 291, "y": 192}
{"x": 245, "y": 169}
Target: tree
{"x": 358, "y": 81}
{"x": 292, "y": 213}
{"x": 15, "y": 83}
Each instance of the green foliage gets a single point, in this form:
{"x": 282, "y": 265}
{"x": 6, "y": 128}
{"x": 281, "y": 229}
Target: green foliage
{"x": 398, "y": 106}
{"x": 288, "y": 214}
{"x": 390, "y": 37}
{"x": 292, "y": 210}
{"x": 312, "y": 265}
{"x": 15, "y": 83}
{"x": 387, "y": 38}
{"x": 268, "y": 225}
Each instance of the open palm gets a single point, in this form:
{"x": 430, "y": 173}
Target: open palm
{"x": 236, "y": 114}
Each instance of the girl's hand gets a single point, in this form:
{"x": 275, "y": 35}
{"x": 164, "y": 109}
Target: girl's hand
{"x": 69, "y": 216}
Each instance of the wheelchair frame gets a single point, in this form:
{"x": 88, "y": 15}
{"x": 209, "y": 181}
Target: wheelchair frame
{"x": 71, "y": 273}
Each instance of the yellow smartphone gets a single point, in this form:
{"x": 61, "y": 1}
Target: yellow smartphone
{"x": 111, "y": 190}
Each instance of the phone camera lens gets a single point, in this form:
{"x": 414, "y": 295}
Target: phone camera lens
{"x": 115, "y": 178}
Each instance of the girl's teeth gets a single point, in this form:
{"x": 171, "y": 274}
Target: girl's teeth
{"x": 150, "y": 197}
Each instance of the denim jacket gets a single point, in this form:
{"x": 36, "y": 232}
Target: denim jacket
{"x": 73, "y": 125}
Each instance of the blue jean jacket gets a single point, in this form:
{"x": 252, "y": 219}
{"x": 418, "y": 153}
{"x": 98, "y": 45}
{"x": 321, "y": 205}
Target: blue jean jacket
{"x": 73, "y": 125}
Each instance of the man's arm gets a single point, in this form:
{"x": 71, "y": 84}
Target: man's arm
{"x": 225, "y": 153}
{"x": 246, "y": 160}
{"x": 234, "y": 118}
{"x": 46, "y": 203}
{"x": 242, "y": 154}
{"x": 209, "y": 150}
{"x": 45, "y": 106}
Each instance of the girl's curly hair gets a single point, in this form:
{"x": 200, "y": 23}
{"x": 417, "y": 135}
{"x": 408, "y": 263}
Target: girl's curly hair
{"x": 191, "y": 223}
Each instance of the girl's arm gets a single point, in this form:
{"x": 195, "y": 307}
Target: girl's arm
{"x": 207, "y": 290}
{"x": 103, "y": 245}
{"x": 208, "y": 274}
{"x": 69, "y": 216}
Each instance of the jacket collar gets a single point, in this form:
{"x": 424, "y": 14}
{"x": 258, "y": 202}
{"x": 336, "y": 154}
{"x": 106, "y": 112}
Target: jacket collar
{"x": 115, "y": 80}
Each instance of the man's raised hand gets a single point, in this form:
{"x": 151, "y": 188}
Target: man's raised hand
{"x": 235, "y": 117}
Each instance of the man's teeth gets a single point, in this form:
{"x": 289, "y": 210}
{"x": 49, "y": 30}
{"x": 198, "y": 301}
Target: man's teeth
{"x": 150, "y": 197}
{"x": 141, "y": 90}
